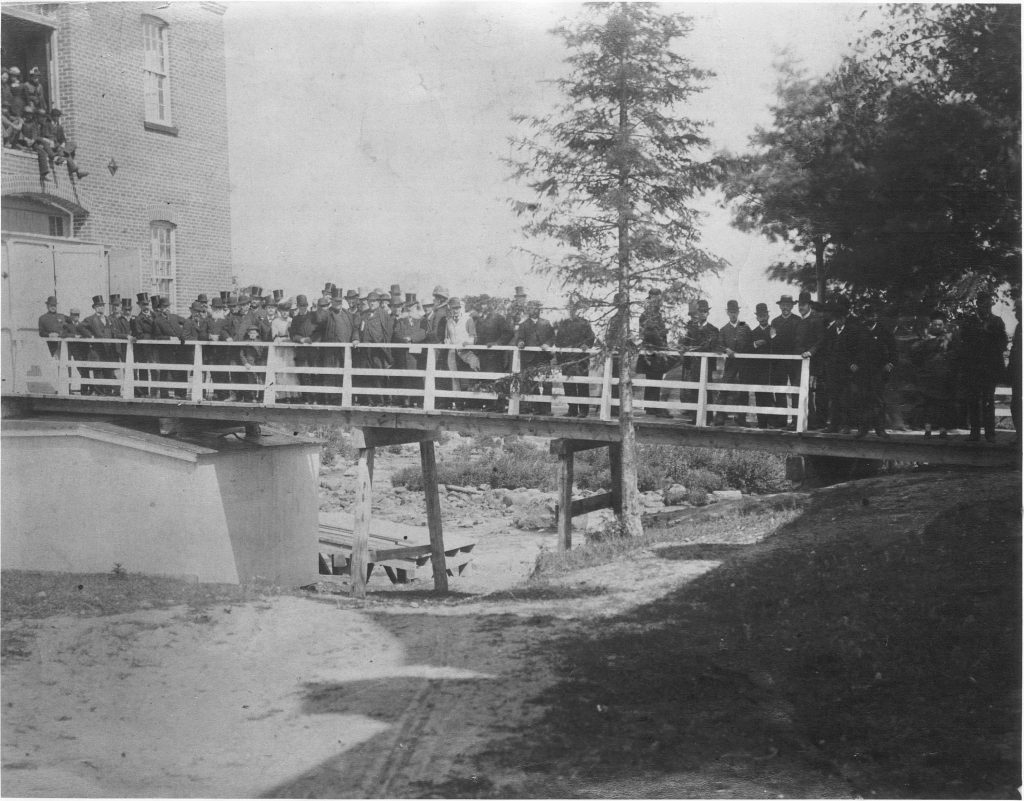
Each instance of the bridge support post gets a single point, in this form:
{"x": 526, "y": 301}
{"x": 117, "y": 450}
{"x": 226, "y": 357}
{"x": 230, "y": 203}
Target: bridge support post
{"x": 565, "y": 469}
{"x": 366, "y": 440}
{"x": 567, "y": 507}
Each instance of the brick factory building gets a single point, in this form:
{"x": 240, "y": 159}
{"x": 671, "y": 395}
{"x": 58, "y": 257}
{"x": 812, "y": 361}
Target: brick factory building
{"x": 142, "y": 89}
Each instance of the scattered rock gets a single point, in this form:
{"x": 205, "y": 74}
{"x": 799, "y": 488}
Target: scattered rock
{"x": 674, "y": 495}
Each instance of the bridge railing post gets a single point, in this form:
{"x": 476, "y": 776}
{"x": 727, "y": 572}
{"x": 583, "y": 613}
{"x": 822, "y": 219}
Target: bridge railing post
{"x": 196, "y": 387}
{"x": 430, "y": 379}
{"x": 515, "y": 388}
{"x": 605, "y": 409}
{"x": 270, "y": 374}
{"x": 702, "y": 394}
{"x": 346, "y": 377}
{"x": 128, "y": 377}
{"x": 63, "y": 369}
{"x": 803, "y": 399}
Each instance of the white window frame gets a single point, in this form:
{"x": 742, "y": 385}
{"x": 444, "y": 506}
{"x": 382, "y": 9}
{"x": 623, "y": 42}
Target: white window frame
{"x": 163, "y": 264}
{"x": 156, "y": 70}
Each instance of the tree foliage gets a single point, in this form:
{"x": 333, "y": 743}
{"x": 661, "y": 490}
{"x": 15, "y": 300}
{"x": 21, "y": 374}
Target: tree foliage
{"x": 900, "y": 170}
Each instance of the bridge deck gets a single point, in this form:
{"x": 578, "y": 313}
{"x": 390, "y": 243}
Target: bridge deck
{"x": 667, "y": 431}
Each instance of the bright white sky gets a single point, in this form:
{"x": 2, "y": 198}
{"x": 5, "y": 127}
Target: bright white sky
{"x": 366, "y": 138}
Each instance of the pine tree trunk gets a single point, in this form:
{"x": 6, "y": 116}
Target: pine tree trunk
{"x": 819, "y": 267}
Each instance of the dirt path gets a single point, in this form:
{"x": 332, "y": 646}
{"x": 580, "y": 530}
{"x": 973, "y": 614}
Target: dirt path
{"x": 628, "y": 679}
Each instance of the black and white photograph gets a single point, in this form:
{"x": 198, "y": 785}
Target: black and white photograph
{"x": 510, "y": 399}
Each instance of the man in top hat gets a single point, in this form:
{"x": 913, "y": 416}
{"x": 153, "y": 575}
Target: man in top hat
{"x": 220, "y": 328}
{"x": 170, "y": 326}
{"x": 759, "y": 371}
{"x": 811, "y": 341}
{"x": 120, "y": 326}
{"x": 653, "y": 363}
{"x": 327, "y": 291}
{"x": 340, "y": 329}
{"x": 734, "y": 337}
{"x": 536, "y": 332}
{"x": 407, "y": 330}
{"x": 376, "y": 329}
{"x": 142, "y": 326}
{"x": 575, "y": 332}
{"x": 492, "y": 328}
{"x": 308, "y": 326}
{"x": 699, "y": 336}
{"x": 842, "y": 352}
{"x": 435, "y": 321}
{"x": 97, "y": 326}
{"x": 787, "y": 340}
{"x": 979, "y": 349}
{"x": 51, "y": 325}
{"x": 877, "y": 360}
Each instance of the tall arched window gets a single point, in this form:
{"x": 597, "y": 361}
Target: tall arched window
{"x": 156, "y": 70}
{"x": 162, "y": 258}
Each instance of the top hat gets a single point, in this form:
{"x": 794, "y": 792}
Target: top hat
{"x": 115, "y": 300}
{"x": 257, "y": 291}
{"x": 732, "y": 305}
{"x": 328, "y": 287}
{"x": 761, "y": 308}
{"x": 142, "y": 298}
{"x": 410, "y": 297}
{"x": 232, "y": 299}
{"x": 301, "y": 302}
{"x": 126, "y": 303}
{"x": 396, "y": 290}
{"x": 520, "y": 292}
{"x": 97, "y": 300}
{"x": 805, "y": 297}
{"x": 278, "y": 295}
{"x": 337, "y": 293}
{"x": 784, "y": 299}
{"x": 51, "y": 301}
{"x": 202, "y": 298}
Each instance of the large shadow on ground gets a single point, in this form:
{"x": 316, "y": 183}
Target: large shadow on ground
{"x": 852, "y": 647}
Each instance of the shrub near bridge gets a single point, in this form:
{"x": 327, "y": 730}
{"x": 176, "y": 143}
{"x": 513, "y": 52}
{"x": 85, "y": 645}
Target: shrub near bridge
{"x": 515, "y": 463}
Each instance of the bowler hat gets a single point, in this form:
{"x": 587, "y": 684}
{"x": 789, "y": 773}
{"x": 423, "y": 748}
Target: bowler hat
{"x": 322, "y": 302}
{"x": 243, "y": 298}
{"x": 454, "y": 302}
{"x": 218, "y": 303}
{"x": 51, "y": 301}
{"x": 165, "y": 303}
{"x": 805, "y": 297}
{"x": 196, "y": 306}
{"x": 702, "y": 305}
{"x": 761, "y": 308}
{"x": 142, "y": 298}
{"x": 301, "y": 301}
{"x": 98, "y": 300}
{"x": 73, "y": 312}
{"x": 654, "y": 292}
{"x": 732, "y": 305}
{"x": 55, "y": 112}
{"x": 785, "y": 299}
{"x": 203, "y": 298}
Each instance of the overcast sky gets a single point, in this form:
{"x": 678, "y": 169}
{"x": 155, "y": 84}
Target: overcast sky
{"x": 366, "y": 138}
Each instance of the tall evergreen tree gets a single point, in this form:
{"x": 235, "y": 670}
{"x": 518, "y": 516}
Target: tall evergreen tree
{"x": 613, "y": 171}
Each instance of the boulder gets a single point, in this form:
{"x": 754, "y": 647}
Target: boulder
{"x": 674, "y": 495}
{"x": 726, "y": 495}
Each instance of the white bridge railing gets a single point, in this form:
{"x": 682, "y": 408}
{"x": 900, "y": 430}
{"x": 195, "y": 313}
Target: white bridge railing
{"x": 355, "y": 375}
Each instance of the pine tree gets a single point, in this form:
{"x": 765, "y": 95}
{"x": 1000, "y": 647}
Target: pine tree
{"x": 613, "y": 171}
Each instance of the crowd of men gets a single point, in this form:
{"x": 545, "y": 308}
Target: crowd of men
{"x": 850, "y": 358}
{"x": 31, "y": 124}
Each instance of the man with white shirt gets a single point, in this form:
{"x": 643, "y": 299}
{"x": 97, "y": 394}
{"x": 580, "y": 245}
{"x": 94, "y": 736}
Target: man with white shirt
{"x": 460, "y": 330}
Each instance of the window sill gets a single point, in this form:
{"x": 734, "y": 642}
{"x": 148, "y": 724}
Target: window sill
{"x": 156, "y": 127}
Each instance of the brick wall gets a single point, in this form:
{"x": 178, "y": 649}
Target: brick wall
{"x": 182, "y": 178}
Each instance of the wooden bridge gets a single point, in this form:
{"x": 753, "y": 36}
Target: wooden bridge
{"x": 209, "y": 381}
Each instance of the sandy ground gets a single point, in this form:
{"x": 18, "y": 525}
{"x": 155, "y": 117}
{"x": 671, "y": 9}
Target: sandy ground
{"x": 404, "y": 694}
